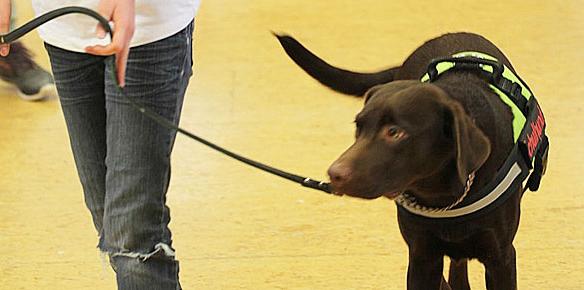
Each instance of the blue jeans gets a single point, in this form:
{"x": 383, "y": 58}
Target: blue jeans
{"x": 122, "y": 157}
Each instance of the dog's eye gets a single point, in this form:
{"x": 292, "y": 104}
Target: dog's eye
{"x": 395, "y": 133}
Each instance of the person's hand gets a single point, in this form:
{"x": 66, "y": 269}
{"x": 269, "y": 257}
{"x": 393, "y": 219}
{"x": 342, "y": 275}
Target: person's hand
{"x": 121, "y": 12}
{"x": 5, "y": 13}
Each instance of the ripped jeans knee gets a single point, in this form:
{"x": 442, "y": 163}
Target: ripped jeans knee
{"x": 161, "y": 250}
{"x": 155, "y": 270}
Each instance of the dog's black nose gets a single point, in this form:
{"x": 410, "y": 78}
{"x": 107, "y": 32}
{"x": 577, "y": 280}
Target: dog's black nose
{"x": 339, "y": 174}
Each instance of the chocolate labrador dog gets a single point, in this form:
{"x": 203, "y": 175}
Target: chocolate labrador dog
{"x": 439, "y": 142}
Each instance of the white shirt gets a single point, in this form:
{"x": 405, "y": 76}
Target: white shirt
{"x": 155, "y": 20}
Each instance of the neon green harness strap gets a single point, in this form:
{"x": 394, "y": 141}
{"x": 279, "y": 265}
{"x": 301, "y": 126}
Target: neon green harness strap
{"x": 519, "y": 119}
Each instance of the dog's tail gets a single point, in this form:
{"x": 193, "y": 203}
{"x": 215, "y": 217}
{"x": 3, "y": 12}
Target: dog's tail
{"x": 340, "y": 80}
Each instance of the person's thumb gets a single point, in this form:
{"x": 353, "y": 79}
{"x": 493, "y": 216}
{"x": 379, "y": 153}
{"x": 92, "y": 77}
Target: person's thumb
{"x": 5, "y": 13}
{"x": 106, "y": 9}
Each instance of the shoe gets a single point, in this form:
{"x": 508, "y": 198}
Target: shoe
{"x": 32, "y": 81}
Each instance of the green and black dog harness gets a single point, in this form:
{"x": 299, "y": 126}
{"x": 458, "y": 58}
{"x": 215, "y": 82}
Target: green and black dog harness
{"x": 528, "y": 158}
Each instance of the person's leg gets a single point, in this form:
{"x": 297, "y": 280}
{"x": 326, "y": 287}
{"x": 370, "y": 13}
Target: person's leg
{"x": 136, "y": 233}
{"x": 80, "y": 82}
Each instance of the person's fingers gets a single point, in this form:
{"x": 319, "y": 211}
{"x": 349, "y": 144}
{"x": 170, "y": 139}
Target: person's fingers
{"x": 121, "y": 63}
{"x": 122, "y": 14}
{"x": 106, "y": 9}
{"x": 4, "y": 49}
{"x": 120, "y": 41}
{"x": 120, "y": 47}
{"x": 100, "y": 32}
{"x": 109, "y": 49}
{"x": 5, "y": 13}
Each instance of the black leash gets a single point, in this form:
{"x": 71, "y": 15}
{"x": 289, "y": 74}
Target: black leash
{"x": 26, "y": 28}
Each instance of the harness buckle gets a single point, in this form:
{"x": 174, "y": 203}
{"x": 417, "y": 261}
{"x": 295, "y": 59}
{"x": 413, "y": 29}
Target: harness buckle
{"x": 513, "y": 90}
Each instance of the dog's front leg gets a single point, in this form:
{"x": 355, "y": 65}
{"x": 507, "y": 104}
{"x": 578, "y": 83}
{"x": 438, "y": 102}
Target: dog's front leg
{"x": 425, "y": 272}
{"x": 501, "y": 272}
{"x": 458, "y": 274}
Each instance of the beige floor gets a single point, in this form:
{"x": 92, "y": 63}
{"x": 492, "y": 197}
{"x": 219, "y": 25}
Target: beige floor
{"x": 237, "y": 228}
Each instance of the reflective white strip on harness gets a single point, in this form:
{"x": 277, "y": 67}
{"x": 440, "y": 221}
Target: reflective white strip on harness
{"x": 478, "y": 205}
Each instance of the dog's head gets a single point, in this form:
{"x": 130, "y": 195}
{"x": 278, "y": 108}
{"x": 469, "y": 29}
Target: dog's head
{"x": 407, "y": 132}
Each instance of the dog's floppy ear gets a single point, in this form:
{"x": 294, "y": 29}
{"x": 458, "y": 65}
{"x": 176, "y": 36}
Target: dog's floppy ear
{"x": 472, "y": 146}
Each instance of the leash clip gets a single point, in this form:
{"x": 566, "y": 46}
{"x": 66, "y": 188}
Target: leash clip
{"x": 314, "y": 184}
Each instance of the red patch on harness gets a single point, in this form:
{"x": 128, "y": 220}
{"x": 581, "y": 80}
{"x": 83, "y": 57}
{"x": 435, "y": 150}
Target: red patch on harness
{"x": 534, "y": 137}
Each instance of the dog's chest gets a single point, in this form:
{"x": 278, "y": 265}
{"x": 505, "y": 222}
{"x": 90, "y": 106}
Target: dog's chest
{"x": 462, "y": 242}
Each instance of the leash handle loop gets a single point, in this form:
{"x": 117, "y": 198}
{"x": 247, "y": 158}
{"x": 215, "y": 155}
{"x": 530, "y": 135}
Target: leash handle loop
{"x": 29, "y": 26}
